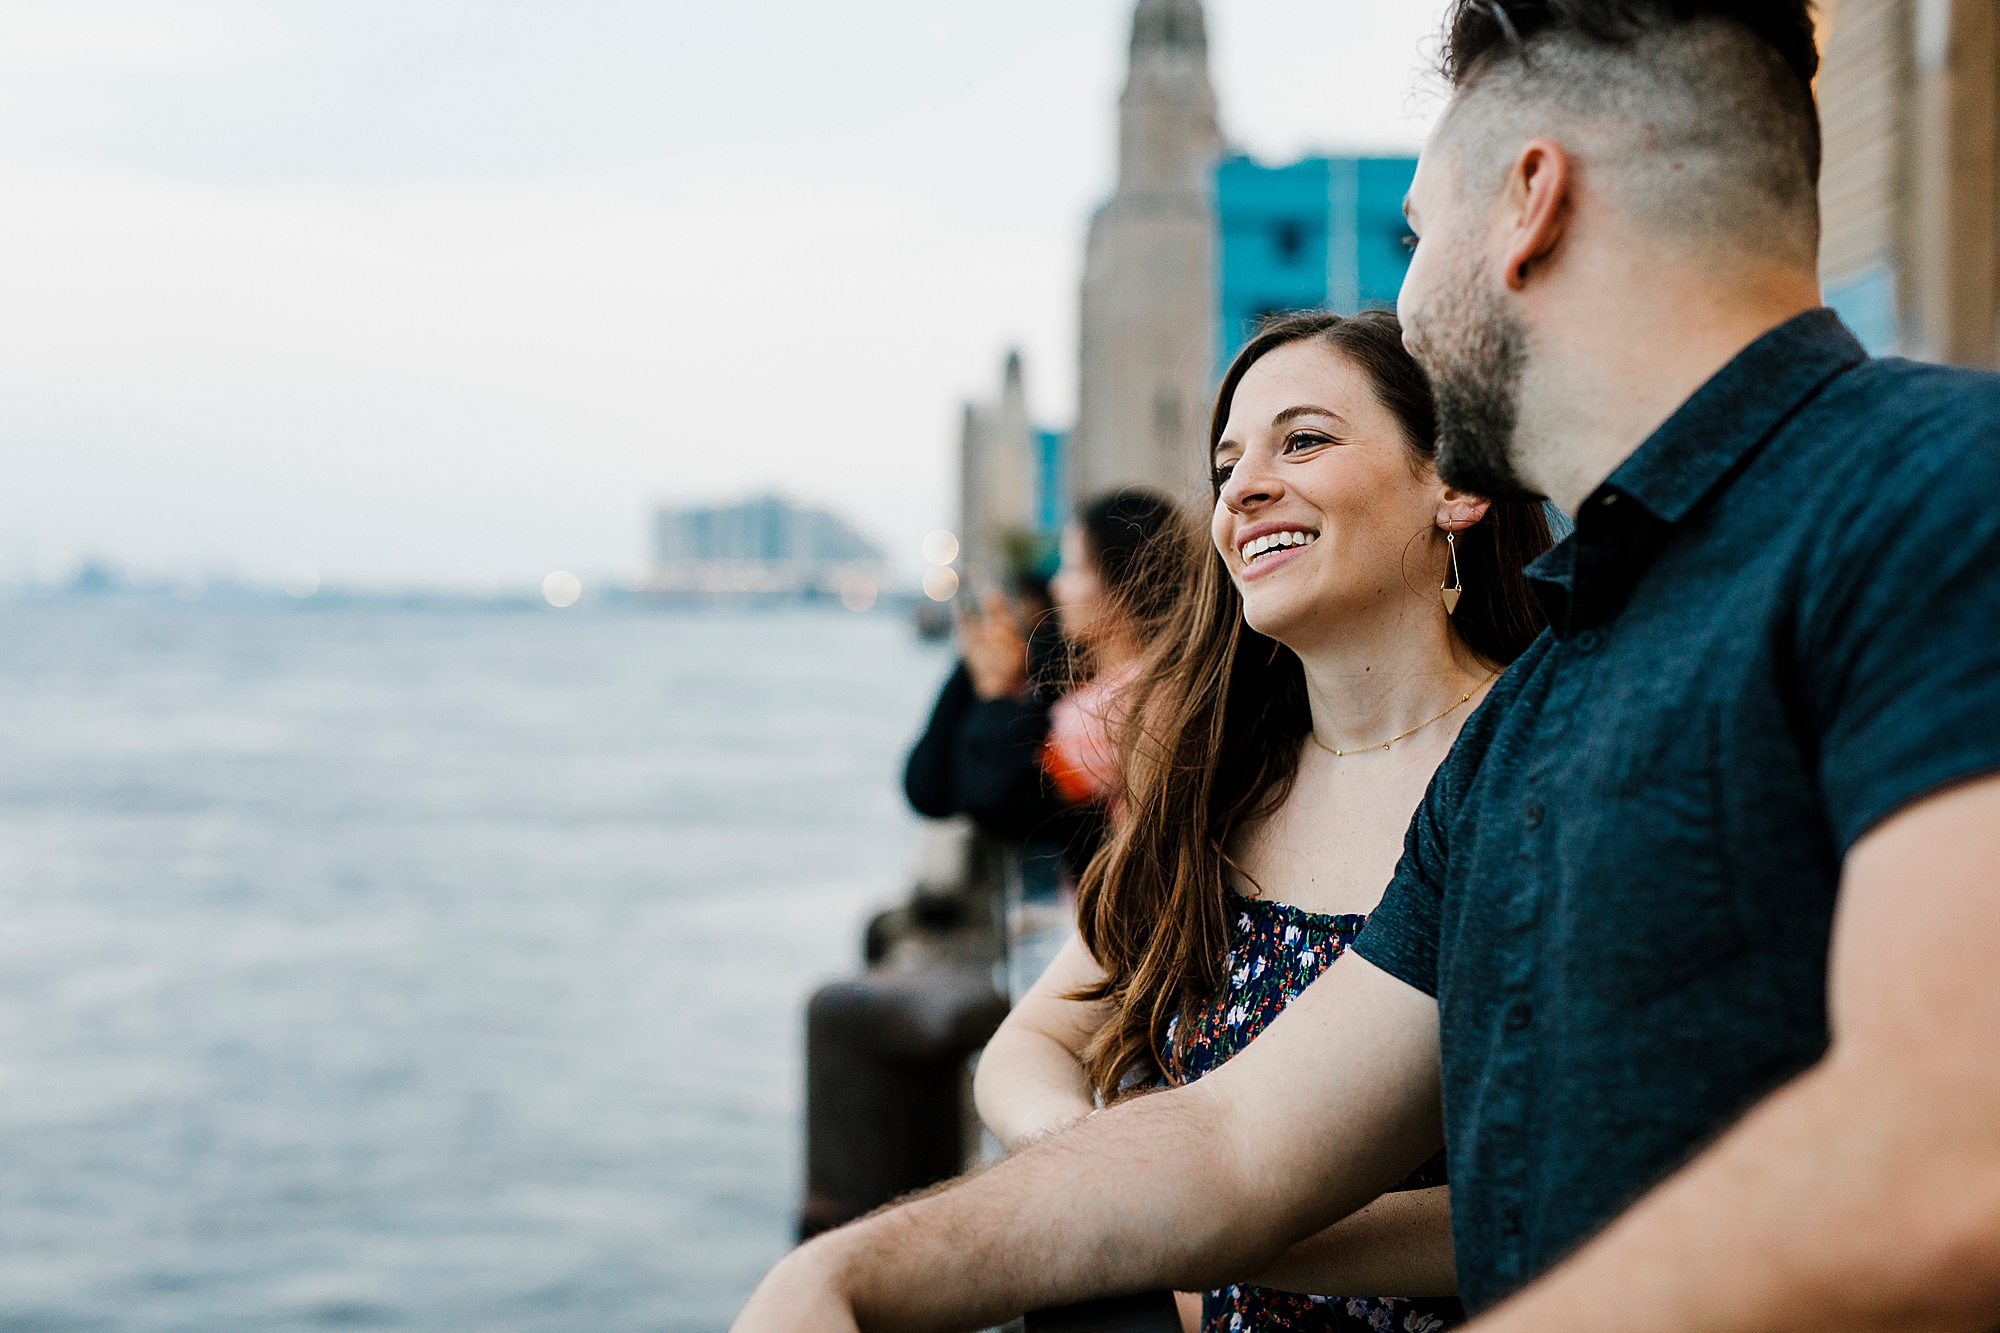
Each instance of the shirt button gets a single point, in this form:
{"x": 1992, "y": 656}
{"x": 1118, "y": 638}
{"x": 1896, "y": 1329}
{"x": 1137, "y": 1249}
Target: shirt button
{"x": 1587, "y": 641}
{"x": 1519, "y": 1015}
{"x": 1533, "y": 811}
{"x": 1510, "y": 1221}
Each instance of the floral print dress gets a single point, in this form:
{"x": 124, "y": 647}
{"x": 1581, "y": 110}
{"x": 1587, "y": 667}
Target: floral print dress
{"x": 1276, "y": 951}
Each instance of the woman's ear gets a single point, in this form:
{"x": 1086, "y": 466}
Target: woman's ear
{"x": 1457, "y": 510}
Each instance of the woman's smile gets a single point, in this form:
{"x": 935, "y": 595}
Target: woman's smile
{"x": 1262, "y": 547}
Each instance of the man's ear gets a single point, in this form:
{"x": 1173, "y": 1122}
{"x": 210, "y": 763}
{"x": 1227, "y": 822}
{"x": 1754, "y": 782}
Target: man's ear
{"x": 1538, "y": 190}
{"x": 1458, "y": 510}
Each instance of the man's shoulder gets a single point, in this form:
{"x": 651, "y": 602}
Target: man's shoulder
{"x": 1881, "y": 372}
{"x": 1889, "y": 448}
{"x": 1931, "y": 413}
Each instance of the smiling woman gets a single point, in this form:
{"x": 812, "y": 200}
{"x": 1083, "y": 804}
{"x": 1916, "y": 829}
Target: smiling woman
{"x": 1309, "y": 384}
{"x": 1311, "y": 679}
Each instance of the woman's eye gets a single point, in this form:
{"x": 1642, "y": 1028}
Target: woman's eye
{"x": 1304, "y": 439}
{"x": 1220, "y": 472}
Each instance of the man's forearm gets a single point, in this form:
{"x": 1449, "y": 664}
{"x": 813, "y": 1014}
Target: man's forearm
{"x": 1039, "y": 1230}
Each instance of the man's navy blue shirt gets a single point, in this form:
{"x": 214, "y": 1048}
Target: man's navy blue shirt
{"x": 1776, "y": 623}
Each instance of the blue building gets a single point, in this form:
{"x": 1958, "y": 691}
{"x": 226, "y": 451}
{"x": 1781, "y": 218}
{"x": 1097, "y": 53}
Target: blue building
{"x": 1051, "y": 481}
{"x": 1320, "y": 232}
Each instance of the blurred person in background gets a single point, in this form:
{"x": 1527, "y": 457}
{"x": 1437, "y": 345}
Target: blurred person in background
{"x": 1121, "y": 565}
{"x": 1018, "y": 738}
{"x": 1311, "y": 677}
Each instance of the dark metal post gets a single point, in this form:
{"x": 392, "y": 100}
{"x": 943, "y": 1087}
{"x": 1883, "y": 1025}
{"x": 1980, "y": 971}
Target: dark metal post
{"x": 886, "y": 1086}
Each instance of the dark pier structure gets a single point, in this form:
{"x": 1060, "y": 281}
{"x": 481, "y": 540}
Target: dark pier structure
{"x": 889, "y": 1060}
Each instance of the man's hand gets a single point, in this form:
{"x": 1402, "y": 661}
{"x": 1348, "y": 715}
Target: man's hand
{"x": 1863, "y": 1196}
{"x": 1188, "y": 1189}
{"x": 994, "y": 646}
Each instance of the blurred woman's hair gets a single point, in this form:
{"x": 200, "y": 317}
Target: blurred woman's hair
{"x": 1219, "y": 712}
{"x": 1140, "y": 543}
{"x": 1135, "y": 537}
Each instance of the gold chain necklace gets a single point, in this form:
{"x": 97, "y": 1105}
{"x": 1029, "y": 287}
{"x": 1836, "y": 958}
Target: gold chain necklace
{"x": 1313, "y": 736}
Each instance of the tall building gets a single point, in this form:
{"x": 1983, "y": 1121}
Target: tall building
{"x": 1146, "y": 355}
{"x": 1013, "y": 494}
{"x": 1909, "y": 94}
{"x": 762, "y": 545}
{"x": 1320, "y": 232}
{"x": 997, "y": 465}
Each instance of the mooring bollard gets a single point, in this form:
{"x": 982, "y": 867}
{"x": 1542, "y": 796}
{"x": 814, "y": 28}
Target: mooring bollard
{"x": 1151, "y": 1312}
{"x": 886, "y": 1085}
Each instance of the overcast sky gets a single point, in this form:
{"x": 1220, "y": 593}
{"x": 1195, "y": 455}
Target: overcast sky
{"x": 454, "y": 291}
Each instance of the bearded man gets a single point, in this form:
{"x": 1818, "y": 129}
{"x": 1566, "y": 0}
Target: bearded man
{"x": 1689, "y": 957}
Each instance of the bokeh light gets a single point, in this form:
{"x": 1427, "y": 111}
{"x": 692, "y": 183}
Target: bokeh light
{"x": 562, "y": 588}
{"x": 940, "y": 584}
{"x": 857, "y": 594}
{"x": 302, "y": 581}
{"x": 941, "y": 548}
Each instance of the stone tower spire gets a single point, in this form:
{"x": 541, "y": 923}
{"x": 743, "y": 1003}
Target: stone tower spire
{"x": 1167, "y": 137}
{"x": 1148, "y": 298}
{"x": 996, "y": 472}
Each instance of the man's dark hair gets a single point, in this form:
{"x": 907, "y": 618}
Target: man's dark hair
{"x": 1708, "y": 103}
{"x": 1475, "y": 29}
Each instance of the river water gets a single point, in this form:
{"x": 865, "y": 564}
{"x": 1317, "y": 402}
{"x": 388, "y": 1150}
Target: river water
{"x": 432, "y": 967}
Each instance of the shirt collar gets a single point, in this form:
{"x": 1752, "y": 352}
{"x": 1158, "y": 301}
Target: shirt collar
{"x": 1693, "y": 451}
{"x": 1740, "y": 406}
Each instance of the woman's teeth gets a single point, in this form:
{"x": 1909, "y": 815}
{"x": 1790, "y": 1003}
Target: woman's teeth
{"x": 1276, "y": 541}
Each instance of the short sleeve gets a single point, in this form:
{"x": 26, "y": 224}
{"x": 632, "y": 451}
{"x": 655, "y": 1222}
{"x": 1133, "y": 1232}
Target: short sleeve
{"x": 1401, "y": 936}
{"x": 1900, "y": 639}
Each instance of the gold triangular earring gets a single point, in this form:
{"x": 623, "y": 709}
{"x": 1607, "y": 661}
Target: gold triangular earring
{"x": 1451, "y": 591}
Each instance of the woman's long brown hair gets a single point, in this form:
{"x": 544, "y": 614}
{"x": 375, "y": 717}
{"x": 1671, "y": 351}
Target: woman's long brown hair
{"x": 1218, "y": 715}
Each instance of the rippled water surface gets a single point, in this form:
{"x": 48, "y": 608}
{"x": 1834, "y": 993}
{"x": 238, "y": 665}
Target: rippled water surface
{"x": 365, "y": 966}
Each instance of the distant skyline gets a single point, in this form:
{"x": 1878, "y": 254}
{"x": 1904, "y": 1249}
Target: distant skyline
{"x": 454, "y": 293}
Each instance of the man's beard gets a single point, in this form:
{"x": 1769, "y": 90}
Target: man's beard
{"x": 1474, "y": 353}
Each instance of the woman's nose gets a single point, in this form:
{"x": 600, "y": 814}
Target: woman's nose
{"x": 1252, "y": 483}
